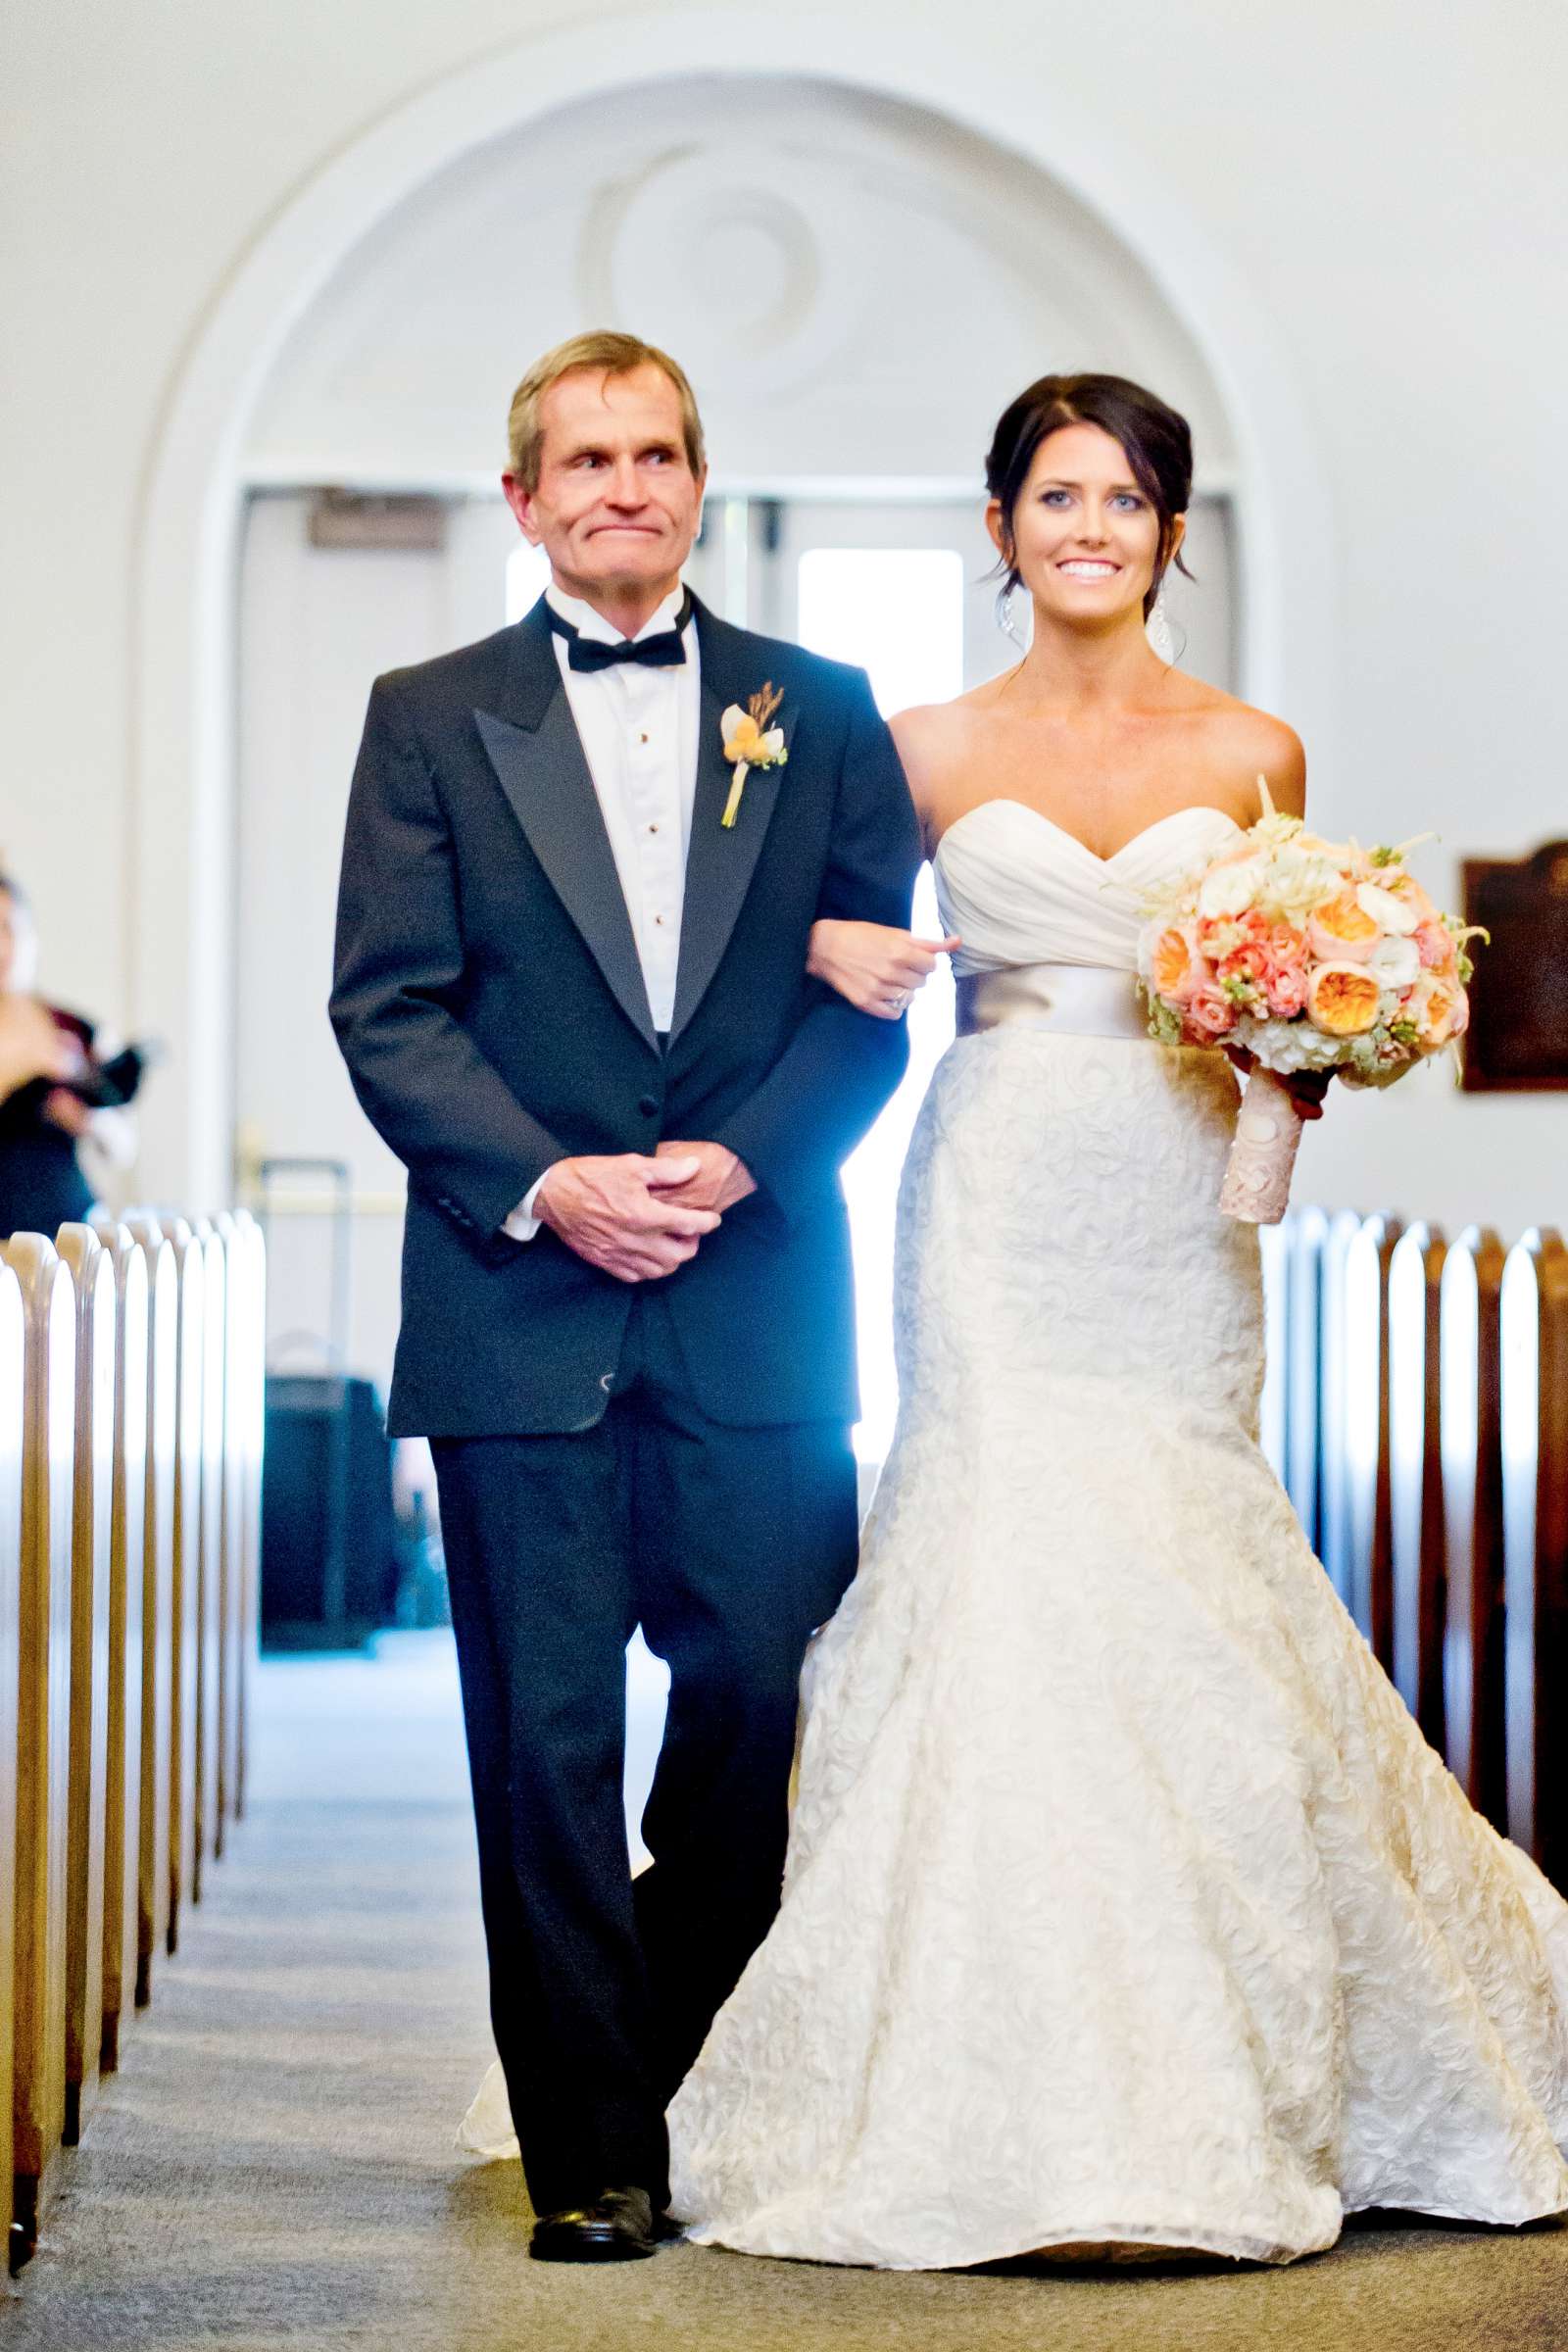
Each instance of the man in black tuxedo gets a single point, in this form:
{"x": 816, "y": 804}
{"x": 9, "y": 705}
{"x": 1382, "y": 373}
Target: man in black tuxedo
{"x": 575, "y": 1001}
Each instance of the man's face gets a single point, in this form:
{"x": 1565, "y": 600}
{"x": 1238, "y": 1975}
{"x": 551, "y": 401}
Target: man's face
{"x": 617, "y": 505}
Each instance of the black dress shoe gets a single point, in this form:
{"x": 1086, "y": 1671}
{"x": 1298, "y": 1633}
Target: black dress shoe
{"x": 620, "y": 2225}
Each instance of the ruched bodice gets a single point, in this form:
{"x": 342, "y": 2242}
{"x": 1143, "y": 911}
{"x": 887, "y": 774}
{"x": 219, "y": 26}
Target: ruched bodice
{"x": 1017, "y": 889}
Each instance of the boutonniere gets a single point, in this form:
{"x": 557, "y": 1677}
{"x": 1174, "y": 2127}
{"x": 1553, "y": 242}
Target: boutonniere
{"x": 750, "y": 742}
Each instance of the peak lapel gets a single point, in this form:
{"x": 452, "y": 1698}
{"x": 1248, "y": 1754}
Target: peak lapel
{"x": 722, "y": 859}
{"x": 538, "y": 758}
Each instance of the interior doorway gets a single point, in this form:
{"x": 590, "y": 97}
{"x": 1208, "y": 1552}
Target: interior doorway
{"x": 856, "y": 301}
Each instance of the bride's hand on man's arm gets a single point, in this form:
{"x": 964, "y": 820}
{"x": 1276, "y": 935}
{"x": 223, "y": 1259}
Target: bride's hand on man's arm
{"x": 874, "y": 967}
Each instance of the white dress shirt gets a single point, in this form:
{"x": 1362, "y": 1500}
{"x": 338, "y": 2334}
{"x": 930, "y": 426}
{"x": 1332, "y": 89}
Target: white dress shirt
{"x": 638, "y": 727}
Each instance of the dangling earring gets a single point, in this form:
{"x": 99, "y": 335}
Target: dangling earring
{"x": 1158, "y": 628}
{"x": 1008, "y": 625}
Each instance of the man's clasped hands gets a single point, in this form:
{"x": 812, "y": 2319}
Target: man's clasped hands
{"x": 636, "y": 1216}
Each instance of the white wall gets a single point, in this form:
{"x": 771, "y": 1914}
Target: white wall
{"x": 1382, "y": 193}
{"x": 857, "y": 294}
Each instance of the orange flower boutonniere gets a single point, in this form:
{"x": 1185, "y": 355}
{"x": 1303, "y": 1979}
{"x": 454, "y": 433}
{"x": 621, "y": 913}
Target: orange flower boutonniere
{"x": 751, "y": 741}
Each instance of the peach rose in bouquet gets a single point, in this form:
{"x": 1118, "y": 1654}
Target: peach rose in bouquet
{"x": 1177, "y": 964}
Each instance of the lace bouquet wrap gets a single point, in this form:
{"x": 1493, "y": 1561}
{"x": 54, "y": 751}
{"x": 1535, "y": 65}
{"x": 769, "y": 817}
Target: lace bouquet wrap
{"x": 1313, "y": 955}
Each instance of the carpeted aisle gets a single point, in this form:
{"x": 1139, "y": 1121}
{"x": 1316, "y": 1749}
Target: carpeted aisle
{"x": 274, "y": 2163}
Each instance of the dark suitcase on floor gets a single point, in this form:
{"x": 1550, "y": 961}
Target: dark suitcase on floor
{"x": 329, "y": 1556}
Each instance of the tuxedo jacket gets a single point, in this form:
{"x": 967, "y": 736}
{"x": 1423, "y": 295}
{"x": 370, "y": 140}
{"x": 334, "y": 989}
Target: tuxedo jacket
{"x": 490, "y": 1006}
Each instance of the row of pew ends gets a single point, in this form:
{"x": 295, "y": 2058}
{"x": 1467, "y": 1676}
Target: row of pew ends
{"x": 1416, "y": 1409}
{"x": 131, "y": 1415}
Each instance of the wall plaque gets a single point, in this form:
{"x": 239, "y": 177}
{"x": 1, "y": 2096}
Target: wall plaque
{"x": 1518, "y": 1036}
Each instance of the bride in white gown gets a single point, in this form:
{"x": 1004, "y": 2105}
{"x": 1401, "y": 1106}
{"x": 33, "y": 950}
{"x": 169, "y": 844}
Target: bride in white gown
{"x": 1125, "y": 1906}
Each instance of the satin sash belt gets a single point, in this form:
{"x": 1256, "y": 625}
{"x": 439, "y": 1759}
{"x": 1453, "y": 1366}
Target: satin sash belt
{"x": 1080, "y": 1000}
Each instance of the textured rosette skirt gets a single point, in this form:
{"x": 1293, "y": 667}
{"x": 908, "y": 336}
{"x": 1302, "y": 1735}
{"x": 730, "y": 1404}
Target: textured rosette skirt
{"x": 1125, "y": 1904}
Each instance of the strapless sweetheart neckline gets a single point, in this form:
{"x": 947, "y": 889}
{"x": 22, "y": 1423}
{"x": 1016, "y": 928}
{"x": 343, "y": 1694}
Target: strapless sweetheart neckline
{"x": 1031, "y": 892}
{"x": 1003, "y": 800}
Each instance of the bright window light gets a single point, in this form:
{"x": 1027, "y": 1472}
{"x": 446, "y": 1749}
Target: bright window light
{"x": 898, "y": 612}
{"x": 528, "y": 576}
{"x": 871, "y": 1192}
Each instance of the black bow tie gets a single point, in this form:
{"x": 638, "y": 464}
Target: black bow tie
{"x": 665, "y": 650}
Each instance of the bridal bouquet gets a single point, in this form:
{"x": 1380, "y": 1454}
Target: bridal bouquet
{"x": 1311, "y": 954}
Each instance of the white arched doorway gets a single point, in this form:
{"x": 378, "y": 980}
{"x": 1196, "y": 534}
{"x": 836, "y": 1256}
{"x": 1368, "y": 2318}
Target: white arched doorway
{"x": 183, "y": 814}
{"x": 854, "y": 300}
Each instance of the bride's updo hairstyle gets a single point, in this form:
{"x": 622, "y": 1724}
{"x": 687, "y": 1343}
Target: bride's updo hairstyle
{"x": 1157, "y": 441}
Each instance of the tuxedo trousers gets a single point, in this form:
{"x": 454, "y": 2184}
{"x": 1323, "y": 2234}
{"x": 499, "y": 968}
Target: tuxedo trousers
{"x": 728, "y": 1547}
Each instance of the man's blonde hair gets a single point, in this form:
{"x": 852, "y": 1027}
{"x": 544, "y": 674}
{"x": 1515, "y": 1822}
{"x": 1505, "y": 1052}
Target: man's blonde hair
{"x": 616, "y": 354}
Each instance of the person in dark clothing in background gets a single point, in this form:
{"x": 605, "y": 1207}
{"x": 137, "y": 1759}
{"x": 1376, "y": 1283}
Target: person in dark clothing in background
{"x": 48, "y": 1061}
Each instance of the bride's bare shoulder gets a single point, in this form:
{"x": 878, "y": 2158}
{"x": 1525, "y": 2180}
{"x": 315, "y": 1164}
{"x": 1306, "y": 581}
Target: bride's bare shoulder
{"x": 932, "y": 722}
{"x": 1247, "y": 743}
{"x": 939, "y": 750}
{"x": 932, "y": 736}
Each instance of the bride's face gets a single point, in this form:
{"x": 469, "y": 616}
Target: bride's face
{"x": 1085, "y": 537}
